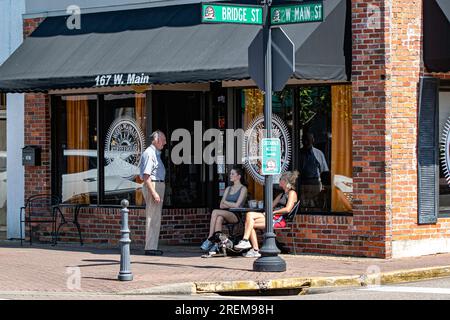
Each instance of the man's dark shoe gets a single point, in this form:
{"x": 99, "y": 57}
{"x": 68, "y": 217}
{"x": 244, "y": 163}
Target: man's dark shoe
{"x": 153, "y": 252}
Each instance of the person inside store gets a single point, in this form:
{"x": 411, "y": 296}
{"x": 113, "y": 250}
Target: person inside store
{"x": 312, "y": 165}
{"x": 283, "y": 204}
{"x": 234, "y": 197}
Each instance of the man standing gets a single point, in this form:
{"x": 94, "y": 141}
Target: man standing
{"x": 153, "y": 173}
{"x": 312, "y": 164}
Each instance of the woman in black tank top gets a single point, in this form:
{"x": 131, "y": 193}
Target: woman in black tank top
{"x": 234, "y": 197}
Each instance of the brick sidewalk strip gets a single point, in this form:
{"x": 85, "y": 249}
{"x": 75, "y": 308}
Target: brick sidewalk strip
{"x": 45, "y": 268}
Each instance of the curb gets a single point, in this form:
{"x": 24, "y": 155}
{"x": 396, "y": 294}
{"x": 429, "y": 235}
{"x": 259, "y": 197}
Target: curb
{"x": 185, "y": 288}
{"x": 303, "y": 284}
{"x": 300, "y": 284}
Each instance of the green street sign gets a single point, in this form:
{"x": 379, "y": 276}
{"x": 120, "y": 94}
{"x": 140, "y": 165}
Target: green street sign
{"x": 217, "y": 13}
{"x": 271, "y": 156}
{"x": 299, "y": 13}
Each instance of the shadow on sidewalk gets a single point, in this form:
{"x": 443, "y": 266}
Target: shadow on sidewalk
{"x": 169, "y": 251}
{"x": 189, "y": 265}
{"x": 165, "y": 264}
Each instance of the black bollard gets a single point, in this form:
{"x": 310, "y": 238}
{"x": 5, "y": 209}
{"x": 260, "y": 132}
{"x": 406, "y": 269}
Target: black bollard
{"x": 125, "y": 261}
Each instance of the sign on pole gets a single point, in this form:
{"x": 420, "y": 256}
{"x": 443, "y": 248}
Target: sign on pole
{"x": 271, "y": 156}
{"x": 256, "y": 61}
{"x": 218, "y": 13}
{"x": 298, "y": 13}
{"x": 271, "y": 61}
{"x": 283, "y": 59}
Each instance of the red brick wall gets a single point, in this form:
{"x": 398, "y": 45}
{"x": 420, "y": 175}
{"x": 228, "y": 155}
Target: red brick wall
{"x": 405, "y": 68}
{"x": 38, "y": 133}
{"x": 101, "y": 226}
{"x": 331, "y": 235}
{"x": 29, "y": 25}
{"x": 370, "y": 232}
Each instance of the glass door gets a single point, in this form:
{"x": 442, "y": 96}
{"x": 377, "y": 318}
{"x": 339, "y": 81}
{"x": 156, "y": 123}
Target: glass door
{"x": 179, "y": 113}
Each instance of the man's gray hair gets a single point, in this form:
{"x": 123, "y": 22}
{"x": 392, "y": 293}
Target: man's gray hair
{"x": 155, "y": 135}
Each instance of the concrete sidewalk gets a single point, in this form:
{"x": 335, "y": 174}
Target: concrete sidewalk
{"x": 66, "y": 269}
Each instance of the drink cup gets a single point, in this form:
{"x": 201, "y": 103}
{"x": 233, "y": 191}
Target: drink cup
{"x": 260, "y": 204}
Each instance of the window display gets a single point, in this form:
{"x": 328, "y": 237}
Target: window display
{"x": 119, "y": 140}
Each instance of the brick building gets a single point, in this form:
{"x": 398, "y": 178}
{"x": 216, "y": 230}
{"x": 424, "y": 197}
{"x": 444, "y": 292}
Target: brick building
{"x": 371, "y": 84}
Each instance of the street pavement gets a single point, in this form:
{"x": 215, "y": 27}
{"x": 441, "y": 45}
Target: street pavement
{"x": 74, "y": 272}
{"x": 436, "y": 289}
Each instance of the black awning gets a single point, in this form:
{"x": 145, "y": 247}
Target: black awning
{"x": 436, "y": 35}
{"x": 164, "y": 45}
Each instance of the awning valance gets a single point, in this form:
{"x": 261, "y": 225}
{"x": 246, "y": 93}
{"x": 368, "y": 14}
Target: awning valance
{"x": 436, "y": 35}
{"x": 164, "y": 45}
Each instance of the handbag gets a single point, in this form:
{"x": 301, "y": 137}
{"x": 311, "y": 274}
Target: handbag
{"x": 279, "y": 221}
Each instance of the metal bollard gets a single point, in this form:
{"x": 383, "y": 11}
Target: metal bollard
{"x": 125, "y": 261}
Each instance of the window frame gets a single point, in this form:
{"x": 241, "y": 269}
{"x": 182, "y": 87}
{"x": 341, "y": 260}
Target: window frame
{"x": 56, "y": 186}
{"x": 295, "y": 138}
{"x": 56, "y": 170}
{"x": 2, "y": 101}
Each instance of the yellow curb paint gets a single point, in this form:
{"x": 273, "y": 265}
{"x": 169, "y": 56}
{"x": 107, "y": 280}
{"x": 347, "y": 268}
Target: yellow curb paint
{"x": 415, "y": 274}
{"x": 317, "y": 282}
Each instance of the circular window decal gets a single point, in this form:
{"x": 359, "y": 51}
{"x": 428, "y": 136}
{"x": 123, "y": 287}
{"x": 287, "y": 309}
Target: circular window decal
{"x": 445, "y": 150}
{"x": 251, "y": 147}
{"x": 125, "y": 142}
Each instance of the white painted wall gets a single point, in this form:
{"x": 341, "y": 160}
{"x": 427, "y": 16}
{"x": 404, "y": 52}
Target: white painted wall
{"x": 15, "y": 170}
{"x": 11, "y": 36}
{"x": 416, "y": 248}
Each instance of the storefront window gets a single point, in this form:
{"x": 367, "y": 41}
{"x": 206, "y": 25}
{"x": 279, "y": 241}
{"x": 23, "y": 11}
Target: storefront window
{"x": 444, "y": 128}
{"x": 98, "y": 143}
{"x": 76, "y": 148}
{"x": 319, "y": 120}
{"x": 341, "y": 161}
{"x": 3, "y": 183}
{"x": 252, "y": 101}
{"x": 123, "y": 128}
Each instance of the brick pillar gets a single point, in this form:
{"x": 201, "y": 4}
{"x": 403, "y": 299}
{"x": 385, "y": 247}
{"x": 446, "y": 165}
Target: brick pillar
{"x": 402, "y": 93}
{"x": 37, "y": 131}
{"x": 29, "y": 25}
{"x": 371, "y": 130}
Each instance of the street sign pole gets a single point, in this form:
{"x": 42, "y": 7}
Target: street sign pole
{"x": 269, "y": 260}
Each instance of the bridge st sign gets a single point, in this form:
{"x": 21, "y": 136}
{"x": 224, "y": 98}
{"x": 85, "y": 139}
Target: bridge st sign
{"x": 217, "y": 13}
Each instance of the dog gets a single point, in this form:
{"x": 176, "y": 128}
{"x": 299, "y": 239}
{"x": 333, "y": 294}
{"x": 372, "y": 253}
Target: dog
{"x": 224, "y": 244}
